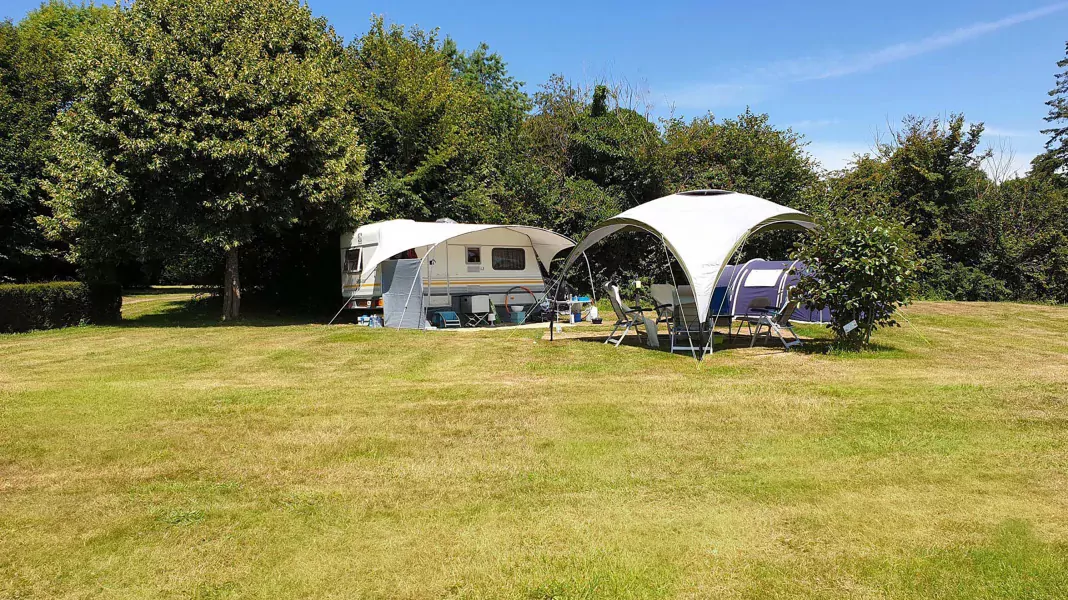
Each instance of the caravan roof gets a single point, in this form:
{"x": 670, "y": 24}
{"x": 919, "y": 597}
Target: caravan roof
{"x": 393, "y": 237}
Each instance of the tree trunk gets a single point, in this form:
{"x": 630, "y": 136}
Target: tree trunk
{"x": 231, "y": 287}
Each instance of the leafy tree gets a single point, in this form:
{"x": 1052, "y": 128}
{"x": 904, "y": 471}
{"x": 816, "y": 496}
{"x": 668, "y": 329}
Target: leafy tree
{"x": 863, "y": 268}
{"x": 930, "y": 176}
{"x": 34, "y": 87}
{"x": 582, "y": 141}
{"x": 1021, "y": 241}
{"x": 432, "y": 120}
{"x": 746, "y": 154}
{"x": 935, "y": 169}
{"x": 214, "y": 124}
{"x": 487, "y": 72}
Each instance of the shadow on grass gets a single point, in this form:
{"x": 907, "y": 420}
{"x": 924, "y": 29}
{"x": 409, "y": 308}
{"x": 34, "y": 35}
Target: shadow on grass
{"x": 811, "y": 346}
{"x": 162, "y": 290}
{"x": 723, "y": 341}
{"x": 205, "y": 312}
{"x": 826, "y": 346}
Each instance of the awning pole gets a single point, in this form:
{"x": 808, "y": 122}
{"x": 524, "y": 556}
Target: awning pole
{"x": 412, "y": 289}
{"x": 429, "y": 286}
{"x": 689, "y": 339}
{"x": 347, "y": 300}
{"x": 589, "y": 271}
{"x": 712, "y": 333}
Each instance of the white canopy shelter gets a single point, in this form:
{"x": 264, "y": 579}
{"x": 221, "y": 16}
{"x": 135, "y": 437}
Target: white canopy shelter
{"x": 394, "y": 237}
{"x": 702, "y": 229}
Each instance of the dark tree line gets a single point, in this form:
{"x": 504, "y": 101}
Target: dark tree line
{"x": 188, "y": 140}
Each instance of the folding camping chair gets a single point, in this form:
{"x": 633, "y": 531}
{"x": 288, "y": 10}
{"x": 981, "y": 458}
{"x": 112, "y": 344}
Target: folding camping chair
{"x": 776, "y": 323}
{"x": 445, "y": 319}
{"x": 664, "y": 295}
{"x": 684, "y": 329}
{"x": 626, "y": 317}
{"x": 758, "y": 307}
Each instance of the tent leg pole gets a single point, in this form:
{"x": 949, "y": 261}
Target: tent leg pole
{"x": 686, "y": 323}
{"x": 589, "y": 271}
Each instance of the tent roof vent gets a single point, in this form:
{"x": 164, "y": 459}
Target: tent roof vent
{"x": 705, "y": 193}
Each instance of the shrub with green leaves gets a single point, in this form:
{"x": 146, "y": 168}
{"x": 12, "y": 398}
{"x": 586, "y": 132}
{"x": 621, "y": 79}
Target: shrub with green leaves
{"x": 863, "y": 269}
{"x": 25, "y": 307}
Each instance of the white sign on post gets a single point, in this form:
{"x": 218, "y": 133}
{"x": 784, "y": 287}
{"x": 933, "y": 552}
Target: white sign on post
{"x": 850, "y": 326}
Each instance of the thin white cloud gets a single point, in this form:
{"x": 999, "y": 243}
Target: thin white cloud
{"x": 714, "y": 95}
{"x": 810, "y": 124}
{"x": 762, "y": 80}
{"x": 989, "y": 130}
{"x": 906, "y": 50}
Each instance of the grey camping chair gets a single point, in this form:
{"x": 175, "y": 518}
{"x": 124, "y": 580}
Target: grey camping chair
{"x": 778, "y": 322}
{"x": 758, "y": 307}
{"x": 626, "y": 317}
{"x": 664, "y": 295}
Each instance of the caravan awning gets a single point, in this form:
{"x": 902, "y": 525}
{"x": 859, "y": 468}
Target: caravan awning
{"x": 702, "y": 229}
{"x": 399, "y": 235}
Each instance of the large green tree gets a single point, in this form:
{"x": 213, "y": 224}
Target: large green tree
{"x": 211, "y": 124}
{"x": 34, "y": 86}
{"x": 435, "y": 122}
{"x": 745, "y": 154}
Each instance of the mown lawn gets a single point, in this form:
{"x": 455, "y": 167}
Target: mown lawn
{"x": 171, "y": 457}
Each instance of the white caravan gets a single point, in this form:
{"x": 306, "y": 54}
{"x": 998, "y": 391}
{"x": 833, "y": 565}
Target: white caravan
{"x": 508, "y": 263}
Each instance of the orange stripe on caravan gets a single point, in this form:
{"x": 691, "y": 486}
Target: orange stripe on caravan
{"x": 467, "y": 282}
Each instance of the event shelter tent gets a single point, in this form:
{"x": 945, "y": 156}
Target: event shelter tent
{"x": 702, "y": 229}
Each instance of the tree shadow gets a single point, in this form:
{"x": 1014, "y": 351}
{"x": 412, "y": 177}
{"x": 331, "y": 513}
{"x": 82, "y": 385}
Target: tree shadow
{"x": 207, "y": 311}
{"x": 724, "y": 342}
{"x": 200, "y": 290}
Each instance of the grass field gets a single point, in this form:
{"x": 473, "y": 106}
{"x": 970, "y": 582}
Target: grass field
{"x": 171, "y": 457}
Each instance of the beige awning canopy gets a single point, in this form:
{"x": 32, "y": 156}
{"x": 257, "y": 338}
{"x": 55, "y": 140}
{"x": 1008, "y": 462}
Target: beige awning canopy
{"x": 393, "y": 237}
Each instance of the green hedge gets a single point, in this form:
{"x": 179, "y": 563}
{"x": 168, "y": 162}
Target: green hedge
{"x": 25, "y": 307}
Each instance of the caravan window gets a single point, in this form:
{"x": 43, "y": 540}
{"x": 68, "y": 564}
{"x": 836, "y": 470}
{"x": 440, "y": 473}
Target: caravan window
{"x": 474, "y": 255}
{"x": 352, "y": 260}
{"x": 509, "y": 259}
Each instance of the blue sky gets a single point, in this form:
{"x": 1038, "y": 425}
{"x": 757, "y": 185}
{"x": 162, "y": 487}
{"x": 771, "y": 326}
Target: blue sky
{"x": 839, "y": 72}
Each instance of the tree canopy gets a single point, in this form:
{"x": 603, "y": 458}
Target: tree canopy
{"x": 35, "y": 84}
{"x": 186, "y": 133}
{"x": 204, "y": 122}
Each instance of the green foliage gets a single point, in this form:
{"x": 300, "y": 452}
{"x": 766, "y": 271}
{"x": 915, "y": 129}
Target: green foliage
{"x": 746, "y": 154}
{"x": 580, "y": 142}
{"x": 212, "y": 123}
{"x": 980, "y": 239}
{"x": 26, "y": 307}
{"x": 431, "y": 119}
{"x": 34, "y": 86}
{"x": 863, "y": 268}
{"x": 934, "y": 170}
{"x": 187, "y": 129}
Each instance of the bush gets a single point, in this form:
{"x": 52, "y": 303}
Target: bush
{"x": 863, "y": 268}
{"x": 25, "y": 307}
